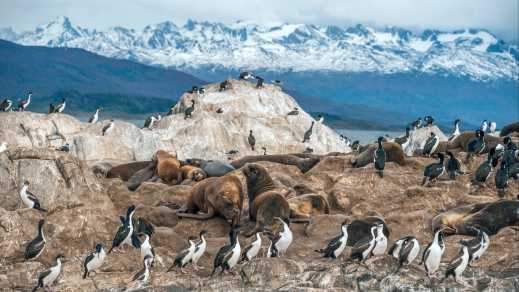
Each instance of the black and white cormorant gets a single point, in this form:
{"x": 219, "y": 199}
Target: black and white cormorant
{"x": 433, "y": 170}
{"x": 379, "y": 157}
{"x": 308, "y": 133}
{"x": 94, "y": 260}
{"x": 337, "y": 244}
{"x": 229, "y": 255}
{"x": 431, "y": 144}
{"x": 189, "y": 110}
{"x": 29, "y": 199}
{"x": 37, "y": 245}
{"x": 47, "y": 277}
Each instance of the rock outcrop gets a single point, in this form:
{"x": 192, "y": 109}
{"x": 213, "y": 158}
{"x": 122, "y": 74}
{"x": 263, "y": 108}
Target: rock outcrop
{"x": 84, "y": 210}
{"x": 207, "y": 135}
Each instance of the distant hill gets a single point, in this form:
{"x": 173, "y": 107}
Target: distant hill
{"x": 47, "y": 71}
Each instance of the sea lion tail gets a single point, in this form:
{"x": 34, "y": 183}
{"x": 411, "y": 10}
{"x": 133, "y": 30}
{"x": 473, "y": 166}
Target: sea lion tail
{"x": 424, "y": 181}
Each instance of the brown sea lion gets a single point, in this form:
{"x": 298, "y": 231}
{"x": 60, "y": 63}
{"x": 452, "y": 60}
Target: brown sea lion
{"x": 488, "y": 217}
{"x": 310, "y": 204}
{"x": 266, "y": 202}
{"x": 512, "y": 128}
{"x": 462, "y": 140}
{"x": 193, "y": 173}
{"x": 304, "y": 164}
{"x": 214, "y": 196}
{"x": 394, "y": 153}
{"x": 125, "y": 171}
{"x": 168, "y": 167}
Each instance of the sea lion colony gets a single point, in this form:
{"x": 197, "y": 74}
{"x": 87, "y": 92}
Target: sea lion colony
{"x": 218, "y": 190}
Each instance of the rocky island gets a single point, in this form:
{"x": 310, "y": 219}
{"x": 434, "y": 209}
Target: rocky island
{"x": 85, "y": 191}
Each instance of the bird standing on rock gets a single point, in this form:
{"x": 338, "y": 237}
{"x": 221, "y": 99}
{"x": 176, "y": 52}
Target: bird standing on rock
{"x": 252, "y": 140}
{"x": 200, "y": 247}
{"x": 37, "y": 245}
{"x": 409, "y": 250}
{"x": 380, "y": 242}
{"x": 252, "y": 250}
{"x": 492, "y": 127}
{"x": 259, "y": 82}
{"x": 229, "y": 255}
{"x": 308, "y": 133}
{"x": 453, "y": 166}
{"x": 501, "y": 179}
{"x": 280, "y": 241}
{"x": 430, "y": 145}
{"x": 94, "y": 260}
{"x": 147, "y": 249}
{"x": 22, "y": 106}
{"x": 189, "y": 110}
{"x": 6, "y": 105}
{"x": 149, "y": 123}
{"x": 143, "y": 276}
{"x": 476, "y": 145}
{"x": 482, "y": 173}
{"x": 60, "y": 107}
{"x": 433, "y": 253}
{"x": 108, "y": 128}
{"x": 29, "y": 199}
{"x": 433, "y": 170}
{"x": 379, "y": 158}
{"x": 478, "y": 245}
{"x": 337, "y": 245}
{"x": 95, "y": 117}
{"x": 124, "y": 234}
{"x": 484, "y": 126}
{"x": 47, "y": 277}
{"x": 185, "y": 256}
{"x": 456, "y": 131}
{"x": 458, "y": 265}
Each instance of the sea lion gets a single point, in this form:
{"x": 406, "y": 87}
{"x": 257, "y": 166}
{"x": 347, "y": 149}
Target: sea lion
{"x": 509, "y": 129}
{"x": 125, "y": 171}
{"x": 462, "y": 140}
{"x": 193, "y": 173}
{"x": 142, "y": 175}
{"x": 488, "y": 217}
{"x": 266, "y": 202}
{"x": 394, "y": 153}
{"x": 303, "y": 164}
{"x": 214, "y": 196}
{"x": 213, "y": 168}
{"x": 168, "y": 167}
{"x": 309, "y": 204}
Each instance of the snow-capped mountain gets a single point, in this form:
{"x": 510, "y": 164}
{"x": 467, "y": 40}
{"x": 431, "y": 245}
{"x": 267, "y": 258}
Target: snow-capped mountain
{"x": 474, "y": 53}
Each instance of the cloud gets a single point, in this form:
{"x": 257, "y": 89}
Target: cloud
{"x": 500, "y": 16}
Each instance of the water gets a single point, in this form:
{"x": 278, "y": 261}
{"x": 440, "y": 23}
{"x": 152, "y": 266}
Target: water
{"x": 367, "y": 136}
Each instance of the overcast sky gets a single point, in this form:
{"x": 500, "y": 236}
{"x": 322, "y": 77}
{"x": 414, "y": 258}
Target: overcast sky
{"x": 499, "y": 16}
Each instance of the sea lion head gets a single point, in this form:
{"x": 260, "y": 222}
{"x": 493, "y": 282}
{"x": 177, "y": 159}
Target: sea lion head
{"x": 198, "y": 175}
{"x": 254, "y": 173}
{"x": 229, "y": 206}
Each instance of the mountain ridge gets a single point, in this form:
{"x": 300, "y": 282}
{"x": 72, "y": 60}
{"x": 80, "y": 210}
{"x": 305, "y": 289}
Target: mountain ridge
{"x": 473, "y": 53}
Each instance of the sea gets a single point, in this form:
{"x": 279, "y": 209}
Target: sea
{"x": 367, "y": 136}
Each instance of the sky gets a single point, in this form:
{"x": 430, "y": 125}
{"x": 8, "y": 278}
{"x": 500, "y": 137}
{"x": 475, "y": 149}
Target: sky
{"x": 498, "y": 16}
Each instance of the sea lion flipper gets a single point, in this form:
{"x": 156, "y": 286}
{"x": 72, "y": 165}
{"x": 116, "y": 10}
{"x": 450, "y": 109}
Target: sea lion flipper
{"x": 210, "y": 214}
